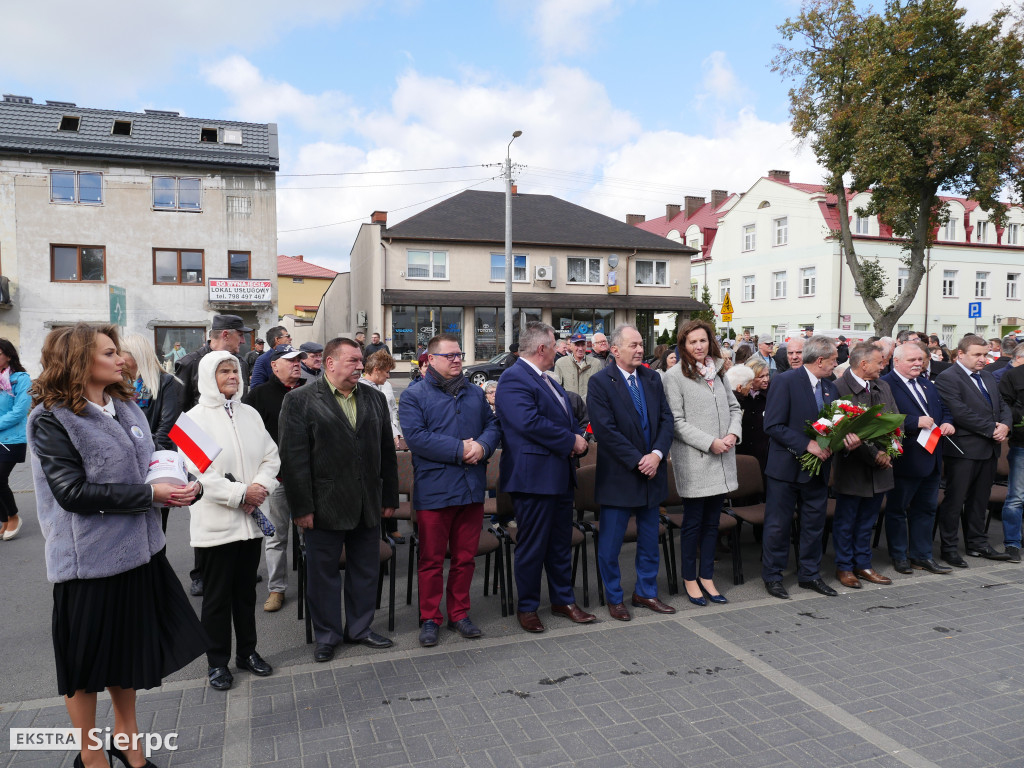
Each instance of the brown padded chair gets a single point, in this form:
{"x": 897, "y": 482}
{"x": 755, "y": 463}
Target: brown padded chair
{"x": 404, "y": 509}
{"x": 746, "y": 505}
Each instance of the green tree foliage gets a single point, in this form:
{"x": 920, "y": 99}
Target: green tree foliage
{"x": 704, "y": 314}
{"x": 906, "y": 102}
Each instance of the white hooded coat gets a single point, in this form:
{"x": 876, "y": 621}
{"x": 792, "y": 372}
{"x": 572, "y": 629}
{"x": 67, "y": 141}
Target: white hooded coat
{"x": 249, "y": 455}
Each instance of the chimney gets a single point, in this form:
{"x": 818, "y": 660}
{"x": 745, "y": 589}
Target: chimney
{"x": 515, "y": 189}
{"x": 635, "y": 218}
{"x": 692, "y": 204}
{"x": 299, "y": 257}
{"x": 718, "y": 196}
{"x": 671, "y": 211}
{"x": 379, "y": 217}
{"x": 782, "y": 176}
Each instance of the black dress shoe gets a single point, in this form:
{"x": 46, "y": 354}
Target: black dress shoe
{"x": 220, "y": 678}
{"x": 931, "y": 566}
{"x": 323, "y": 652}
{"x": 902, "y": 566}
{"x": 819, "y": 586}
{"x": 775, "y": 589}
{"x": 988, "y": 553}
{"x": 255, "y": 664}
{"x": 955, "y": 560}
{"x": 372, "y": 640}
{"x": 1014, "y": 553}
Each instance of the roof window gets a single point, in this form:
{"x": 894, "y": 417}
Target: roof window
{"x": 232, "y": 136}
{"x": 121, "y": 128}
{"x": 69, "y": 123}
{"x": 208, "y": 135}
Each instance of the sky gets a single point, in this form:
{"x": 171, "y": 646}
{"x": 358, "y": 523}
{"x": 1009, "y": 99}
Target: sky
{"x": 625, "y": 105}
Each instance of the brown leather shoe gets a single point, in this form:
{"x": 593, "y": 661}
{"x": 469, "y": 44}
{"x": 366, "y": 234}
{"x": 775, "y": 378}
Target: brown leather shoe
{"x": 574, "y": 613}
{"x": 653, "y": 603}
{"x": 873, "y": 576}
{"x": 847, "y": 579}
{"x": 618, "y": 611}
{"x": 530, "y": 621}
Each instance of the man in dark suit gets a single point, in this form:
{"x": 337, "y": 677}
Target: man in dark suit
{"x": 910, "y": 505}
{"x": 633, "y": 427}
{"x": 340, "y": 475}
{"x": 1011, "y": 388}
{"x": 540, "y": 438}
{"x": 794, "y": 398}
{"x": 982, "y": 421}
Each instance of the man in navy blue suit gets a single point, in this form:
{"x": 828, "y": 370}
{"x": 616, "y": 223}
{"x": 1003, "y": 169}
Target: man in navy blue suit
{"x": 632, "y": 423}
{"x": 911, "y": 504}
{"x": 795, "y": 398}
{"x": 540, "y": 439}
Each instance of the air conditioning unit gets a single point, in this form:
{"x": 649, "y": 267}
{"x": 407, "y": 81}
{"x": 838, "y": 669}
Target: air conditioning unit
{"x": 543, "y": 272}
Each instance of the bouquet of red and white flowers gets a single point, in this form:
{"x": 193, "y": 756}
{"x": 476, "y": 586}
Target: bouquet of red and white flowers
{"x": 844, "y": 417}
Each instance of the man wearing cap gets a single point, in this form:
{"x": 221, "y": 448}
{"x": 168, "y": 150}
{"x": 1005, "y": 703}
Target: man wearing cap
{"x": 765, "y": 347}
{"x": 575, "y": 370}
{"x": 842, "y": 350}
{"x": 312, "y": 366}
{"x": 258, "y": 348}
{"x": 276, "y": 336}
{"x": 267, "y": 399}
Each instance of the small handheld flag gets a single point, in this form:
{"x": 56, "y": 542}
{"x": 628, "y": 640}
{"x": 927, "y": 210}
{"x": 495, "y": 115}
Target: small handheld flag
{"x": 199, "y": 447}
{"x": 929, "y": 438}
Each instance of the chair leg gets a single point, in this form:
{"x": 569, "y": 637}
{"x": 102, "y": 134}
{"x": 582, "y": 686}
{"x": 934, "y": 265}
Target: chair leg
{"x": 305, "y": 599}
{"x": 391, "y": 590}
{"x": 737, "y": 558}
{"x": 668, "y": 561}
{"x": 412, "y": 560}
{"x": 487, "y": 571}
{"x": 586, "y": 574}
{"x": 597, "y": 567}
{"x": 380, "y": 582}
{"x": 301, "y": 578}
{"x": 499, "y": 578}
{"x": 575, "y": 561}
{"x": 509, "y": 581}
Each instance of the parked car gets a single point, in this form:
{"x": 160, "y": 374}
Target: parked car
{"x": 491, "y": 370}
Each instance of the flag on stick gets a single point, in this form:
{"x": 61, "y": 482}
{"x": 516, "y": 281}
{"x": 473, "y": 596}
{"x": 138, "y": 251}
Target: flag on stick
{"x": 929, "y": 438}
{"x": 199, "y": 447}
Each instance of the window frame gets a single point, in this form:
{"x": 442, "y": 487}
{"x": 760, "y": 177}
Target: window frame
{"x": 1013, "y": 282}
{"x": 177, "y": 194}
{"x": 77, "y": 187}
{"x": 780, "y": 226}
{"x": 179, "y": 251}
{"x": 748, "y": 233}
{"x": 861, "y": 224}
{"x": 981, "y": 231}
{"x": 654, "y": 273}
{"x": 1013, "y": 233}
{"x": 814, "y": 282}
{"x": 901, "y": 279}
{"x": 749, "y": 281}
{"x": 430, "y": 264}
{"x": 949, "y": 231}
{"x": 587, "y": 259}
{"x": 982, "y": 283}
{"x": 248, "y": 265}
{"x": 526, "y": 268}
{"x": 726, "y": 284}
{"x": 954, "y": 283}
{"x": 78, "y": 267}
{"x": 776, "y": 282}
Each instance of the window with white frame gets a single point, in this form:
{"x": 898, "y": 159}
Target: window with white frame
{"x": 948, "y": 331}
{"x": 748, "y": 288}
{"x": 902, "y": 275}
{"x": 693, "y": 289}
{"x": 583, "y": 270}
{"x": 981, "y": 232}
{"x": 808, "y": 281}
{"x": 949, "y": 230}
{"x": 950, "y": 279}
{"x": 723, "y": 289}
{"x": 651, "y": 272}
{"x": 427, "y": 265}
{"x": 779, "y": 285}
{"x": 860, "y": 326}
{"x": 1013, "y": 234}
{"x": 518, "y": 268}
{"x": 780, "y": 229}
{"x": 749, "y": 238}
{"x": 177, "y": 193}
{"x": 861, "y": 224}
{"x": 1013, "y": 285}
{"x": 981, "y": 285}
{"x": 83, "y": 187}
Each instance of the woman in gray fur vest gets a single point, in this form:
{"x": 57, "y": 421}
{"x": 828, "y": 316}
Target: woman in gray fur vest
{"x": 121, "y": 620}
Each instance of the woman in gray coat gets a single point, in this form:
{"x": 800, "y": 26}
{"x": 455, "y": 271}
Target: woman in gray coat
{"x": 707, "y": 429}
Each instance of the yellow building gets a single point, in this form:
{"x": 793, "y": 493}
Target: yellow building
{"x": 300, "y": 286}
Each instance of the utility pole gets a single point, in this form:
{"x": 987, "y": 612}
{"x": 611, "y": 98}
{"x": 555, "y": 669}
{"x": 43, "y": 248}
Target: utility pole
{"x": 508, "y": 240}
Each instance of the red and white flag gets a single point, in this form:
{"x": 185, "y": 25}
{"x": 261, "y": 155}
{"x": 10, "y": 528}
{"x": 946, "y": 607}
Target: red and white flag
{"x": 929, "y": 438}
{"x": 200, "y": 448}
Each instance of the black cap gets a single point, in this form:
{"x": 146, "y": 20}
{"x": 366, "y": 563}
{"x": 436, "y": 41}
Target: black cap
{"x": 842, "y": 338}
{"x": 260, "y": 341}
{"x": 229, "y": 323}
{"x": 311, "y": 347}
{"x": 288, "y": 352}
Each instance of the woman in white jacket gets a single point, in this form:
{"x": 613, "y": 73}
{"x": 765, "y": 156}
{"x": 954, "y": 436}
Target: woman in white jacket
{"x": 226, "y": 536}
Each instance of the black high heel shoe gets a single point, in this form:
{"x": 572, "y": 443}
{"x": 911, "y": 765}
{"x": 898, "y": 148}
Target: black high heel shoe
{"x": 720, "y": 599}
{"x": 695, "y": 600}
{"x": 115, "y": 752}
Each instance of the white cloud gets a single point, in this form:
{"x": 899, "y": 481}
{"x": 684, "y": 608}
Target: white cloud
{"x": 565, "y": 27}
{"x": 719, "y": 84}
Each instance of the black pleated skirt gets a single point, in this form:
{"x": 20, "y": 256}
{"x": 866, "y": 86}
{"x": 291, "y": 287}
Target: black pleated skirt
{"x": 130, "y": 630}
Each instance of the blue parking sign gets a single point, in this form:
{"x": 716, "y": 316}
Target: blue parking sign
{"x": 974, "y": 309}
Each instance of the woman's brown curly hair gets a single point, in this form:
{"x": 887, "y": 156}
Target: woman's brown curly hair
{"x": 67, "y": 365}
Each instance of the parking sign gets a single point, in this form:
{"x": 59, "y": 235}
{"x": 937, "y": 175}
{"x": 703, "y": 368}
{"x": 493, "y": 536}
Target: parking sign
{"x": 974, "y": 309}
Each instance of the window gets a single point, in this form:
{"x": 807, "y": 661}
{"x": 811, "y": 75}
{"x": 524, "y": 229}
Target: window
{"x": 860, "y": 326}
{"x": 298, "y": 280}
{"x": 428, "y": 265}
{"x": 949, "y": 283}
{"x": 177, "y": 267}
{"x": 981, "y": 232}
{"x": 723, "y": 289}
{"x": 232, "y": 136}
{"x": 586, "y": 321}
{"x": 412, "y": 327}
{"x": 85, "y": 187}
{"x": 749, "y": 238}
{"x": 239, "y": 206}
{"x": 949, "y": 231}
{"x": 902, "y": 275}
{"x": 748, "y": 287}
{"x": 1013, "y": 285}
{"x": 695, "y": 244}
{"x": 861, "y": 224}
{"x": 652, "y": 273}
{"x": 489, "y": 329}
{"x": 518, "y": 268}
{"x": 69, "y": 123}
{"x": 948, "y": 331}
{"x": 781, "y": 230}
{"x": 808, "y": 281}
{"x": 981, "y": 285}
{"x": 77, "y": 264}
{"x": 208, "y": 135}
{"x": 1013, "y": 234}
{"x": 694, "y": 289}
{"x": 779, "y": 283}
{"x": 238, "y": 265}
{"x": 192, "y": 337}
{"x": 121, "y": 128}
{"x": 580, "y": 270}
{"x": 173, "y": 193}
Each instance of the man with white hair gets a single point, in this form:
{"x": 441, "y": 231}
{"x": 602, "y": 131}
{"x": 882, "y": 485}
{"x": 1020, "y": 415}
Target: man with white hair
{"x": 765, "y": 351}
{"x": 599, "y": 343}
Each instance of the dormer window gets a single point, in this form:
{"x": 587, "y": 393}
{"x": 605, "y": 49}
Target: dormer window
{"x": 208, "y": 135}
{"x": 70, "y": 123}
{"x": 232, "y": 136}
{"x": 121, "y": 128}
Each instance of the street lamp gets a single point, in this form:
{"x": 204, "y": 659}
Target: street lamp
{"x": 508, "y": 239}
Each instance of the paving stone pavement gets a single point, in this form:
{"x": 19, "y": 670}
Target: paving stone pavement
{"x": 923, "y": 673}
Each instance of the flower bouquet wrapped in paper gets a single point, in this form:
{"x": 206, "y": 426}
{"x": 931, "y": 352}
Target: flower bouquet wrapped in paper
{"x": 844, "y": 417}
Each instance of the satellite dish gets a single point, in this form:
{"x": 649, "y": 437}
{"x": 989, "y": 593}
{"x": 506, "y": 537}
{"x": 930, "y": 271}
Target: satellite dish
{"x": 613, "y": 261}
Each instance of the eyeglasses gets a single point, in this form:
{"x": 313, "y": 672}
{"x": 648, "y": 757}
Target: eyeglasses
{"x": 451, "y": 357}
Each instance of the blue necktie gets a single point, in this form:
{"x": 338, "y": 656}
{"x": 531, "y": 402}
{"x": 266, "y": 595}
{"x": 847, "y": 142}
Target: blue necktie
{"x": 638, "y": 402}
{"x": 817, "y": 396}
{"x": 918, "y": 391}
{"x": 981, "y": 386}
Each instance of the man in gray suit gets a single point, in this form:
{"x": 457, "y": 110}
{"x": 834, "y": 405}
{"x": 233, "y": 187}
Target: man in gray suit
{"x": 982, "y": 421}
{"x": 340, "y": 475}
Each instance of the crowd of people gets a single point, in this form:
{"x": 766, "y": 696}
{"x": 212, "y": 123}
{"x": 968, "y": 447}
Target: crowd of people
{"x": 311, "y": 436}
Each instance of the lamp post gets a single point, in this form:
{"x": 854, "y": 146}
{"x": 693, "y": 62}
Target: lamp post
{"x": 508, "y": 239}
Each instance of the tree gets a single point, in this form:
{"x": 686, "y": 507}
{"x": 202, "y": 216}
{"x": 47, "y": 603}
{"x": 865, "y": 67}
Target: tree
{"x": 907, "y": 103}
{"x": 702, "y": 314}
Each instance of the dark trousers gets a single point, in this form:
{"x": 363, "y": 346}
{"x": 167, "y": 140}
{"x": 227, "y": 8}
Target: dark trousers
{"x": 699, "y": 532}
{"x": 8, "y": 507}
{"x": 968, "y": 485}
{"x": 544, "y": 542}
{"x": 910, "y": 517}
{"x": 852, "y": 528}
{"x": 323, "y": 582}
{"x": 229, "y": 596}
{"x": 454, "y": 530}
{"x": 810, "y": 499}
{"x": 613, "y": 529}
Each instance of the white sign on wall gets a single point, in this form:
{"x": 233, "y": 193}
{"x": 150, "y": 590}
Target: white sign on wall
{"x": 240, "y": 290}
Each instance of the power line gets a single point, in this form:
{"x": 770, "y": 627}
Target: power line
{"x": 403, "y": 170}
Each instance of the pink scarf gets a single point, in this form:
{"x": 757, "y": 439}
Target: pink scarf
{"x": 707, "y": 369}
{"x": 5, "y": 381}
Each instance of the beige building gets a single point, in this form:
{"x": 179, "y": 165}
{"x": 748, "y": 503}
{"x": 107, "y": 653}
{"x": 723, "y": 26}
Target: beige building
{"x": 300, "y": 286}
{"x": 156, "y": 220}
{"x": 444, "y": 270}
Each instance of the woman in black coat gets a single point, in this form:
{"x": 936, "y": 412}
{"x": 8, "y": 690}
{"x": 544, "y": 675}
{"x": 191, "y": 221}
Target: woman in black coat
{"x": 755, "y": 441}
